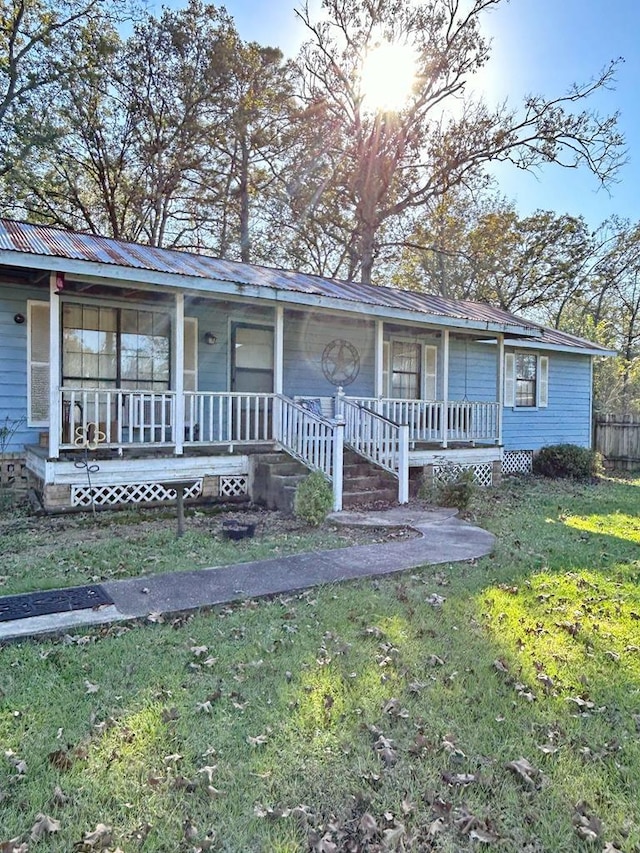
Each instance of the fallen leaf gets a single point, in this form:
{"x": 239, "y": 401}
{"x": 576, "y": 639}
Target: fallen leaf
{"x": 99, "y": 839}
{"x": 43, "y": 826}
{"x": 483, "y": 836}
{"x": 435, "y": 600}
{"x": 587, "y": 826}
{"x": 259, "y": 740}
{"x": 61, "y": 759}
{"x": 459, "y": 778}
{"x": 14, "y": 845}
{"x": 526, "y": 772}
{"x": 91, "y": 688}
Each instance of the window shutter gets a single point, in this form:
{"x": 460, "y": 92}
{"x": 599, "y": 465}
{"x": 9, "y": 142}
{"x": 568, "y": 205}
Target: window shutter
{"x": 430, "y": 372}
{"x": 386, "y": 355}
{"x": 543, "y": 381}
{"x": 509, "y": 379}
{"x": 38, "y": 368}
{"x": 190, "y": 354}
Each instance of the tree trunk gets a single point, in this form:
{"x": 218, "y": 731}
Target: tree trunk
{"x": 245, "y": 241}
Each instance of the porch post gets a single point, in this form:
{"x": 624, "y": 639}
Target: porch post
{"x": 379, "y": 359}
{"x": 338, "y": 454}
{"x": 178, "y": 383}
{"x": 445, "y": 385}
{"x": 278, "y": 356}
{"x": 56, "y": 283}
{"x": 403, "y": 464}
{"x": 500, "y": 386}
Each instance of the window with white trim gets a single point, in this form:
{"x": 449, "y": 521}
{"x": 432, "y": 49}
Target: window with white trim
{"x": 526, "y": 380}
{"x": 410, "y": 370}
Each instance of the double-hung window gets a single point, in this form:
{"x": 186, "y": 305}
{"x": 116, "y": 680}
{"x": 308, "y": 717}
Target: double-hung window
{"x": 526, "y": 380}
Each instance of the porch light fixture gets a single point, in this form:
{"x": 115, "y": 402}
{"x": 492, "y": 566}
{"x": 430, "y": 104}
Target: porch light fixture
{"x": 210, "y": 338}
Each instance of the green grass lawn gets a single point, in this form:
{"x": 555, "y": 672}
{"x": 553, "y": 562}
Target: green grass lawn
{"x": 356, "y": 717}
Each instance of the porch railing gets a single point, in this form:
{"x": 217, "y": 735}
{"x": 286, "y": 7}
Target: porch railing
{"x": 113, "y": 418}
{"x": 437, "y": 420}
{"x": 379, "y": 440}
{"x": 227, "y": 417}
{"x": 316, "y": 442}
{"x": 118, "y": 418}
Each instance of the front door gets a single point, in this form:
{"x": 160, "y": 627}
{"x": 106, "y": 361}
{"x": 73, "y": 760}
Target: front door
{"x": 251, "y": 359}
{"x": 251, "y": 373}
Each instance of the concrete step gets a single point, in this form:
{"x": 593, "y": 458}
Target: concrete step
{"x": 351, "y": 500}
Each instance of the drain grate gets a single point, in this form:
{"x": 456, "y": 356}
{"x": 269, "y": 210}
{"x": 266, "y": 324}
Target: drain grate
{"x": 52, "y": 601}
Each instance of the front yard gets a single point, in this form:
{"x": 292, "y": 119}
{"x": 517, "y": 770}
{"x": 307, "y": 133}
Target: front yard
{"x": 491, "y": 705}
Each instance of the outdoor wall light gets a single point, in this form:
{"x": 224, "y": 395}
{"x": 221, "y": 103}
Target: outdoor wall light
{"x": 18, "y": 318}
{"x": 210, "y": 338}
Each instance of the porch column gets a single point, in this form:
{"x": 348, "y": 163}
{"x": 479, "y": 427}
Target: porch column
{"x": 56, "y": 283}
{"x": 178, "y": 383}
{"x": 445, "y": 385}
{"x": 379, "y": 359}
{"x": 278, "y": 356}
{"x": 500, "y": 385}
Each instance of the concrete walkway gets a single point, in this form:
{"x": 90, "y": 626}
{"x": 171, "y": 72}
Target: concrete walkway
{"x": 443, "y": 539}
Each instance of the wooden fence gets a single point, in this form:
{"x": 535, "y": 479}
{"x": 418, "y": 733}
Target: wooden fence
{"x": 617, "y": 437}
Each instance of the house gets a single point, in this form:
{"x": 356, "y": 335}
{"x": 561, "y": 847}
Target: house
{"x": 129, "y": 369}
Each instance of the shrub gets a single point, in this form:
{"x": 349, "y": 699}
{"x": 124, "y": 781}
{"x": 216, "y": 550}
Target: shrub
{"x": 567, "y": 460}
{"x": 313, "y": 500}
{"x": 458, "y": 490}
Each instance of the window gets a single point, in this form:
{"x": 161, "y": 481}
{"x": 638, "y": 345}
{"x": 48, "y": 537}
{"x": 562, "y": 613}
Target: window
{"x": 409, "y": 370}
{"x": 115, "y": 348}
{"x": 526, "y": 380}
{"x": 526, "y": 373}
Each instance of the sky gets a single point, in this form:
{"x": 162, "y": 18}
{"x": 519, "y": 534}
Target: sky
{"x": 538, "y": 47}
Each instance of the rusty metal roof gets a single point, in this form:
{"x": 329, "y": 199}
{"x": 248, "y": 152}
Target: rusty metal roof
{"x": 46, "y": 241}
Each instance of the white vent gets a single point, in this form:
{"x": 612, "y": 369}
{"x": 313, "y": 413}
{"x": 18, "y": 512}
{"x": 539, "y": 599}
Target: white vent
{"x": 233, "y": 487}
{"x": 517, "y": 462}
{"x": 482, "y": 474}
{"x": 128, "y": 493}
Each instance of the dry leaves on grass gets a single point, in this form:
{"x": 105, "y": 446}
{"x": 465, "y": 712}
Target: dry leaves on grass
{"x": 99, "y": 839}
{"x": 43, "y": 826}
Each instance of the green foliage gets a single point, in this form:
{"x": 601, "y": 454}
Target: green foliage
{"x": 458, "y": 490}
{"x": 314, "y": 499}
{"x": 567, "y": 460}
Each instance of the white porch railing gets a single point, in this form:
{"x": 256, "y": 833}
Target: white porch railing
{"x": 439, "y": 421}
{"x": 227, "y": 417}
{"x": 379, "y": 440}
{"x": 114, "y": 418}
{"x": 117, "y": 418}
{"x": 316, "y": 442}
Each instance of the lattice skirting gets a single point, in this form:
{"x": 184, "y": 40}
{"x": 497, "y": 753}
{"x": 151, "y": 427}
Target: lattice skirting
{"x": 129, "y": 493}
{"x": 233, "y": 487}
{"x": 482, "y": 473}
{"x": 517, "y": 462}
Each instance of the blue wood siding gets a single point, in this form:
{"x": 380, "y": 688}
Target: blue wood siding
{"x": 306, "y": 334}
{"x": 214, "y": 361}
{"x": 567, "y": 418}
{"x": 472, "y": 370}
{"x": 13, "y": 361}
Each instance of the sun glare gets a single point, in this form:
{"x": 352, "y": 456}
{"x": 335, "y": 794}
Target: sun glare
{"x": 388, "y": 76}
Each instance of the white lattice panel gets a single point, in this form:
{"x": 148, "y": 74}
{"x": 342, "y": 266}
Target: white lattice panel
{"x": 129, "y": 493}
{"x": 233, "y": 487}
{"x": 517, "y": 462}
{"x": 482, "y": 473}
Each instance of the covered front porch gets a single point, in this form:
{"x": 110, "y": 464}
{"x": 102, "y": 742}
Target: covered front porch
{"x": 128, "y": 446}
{"x": 158, "y": 384}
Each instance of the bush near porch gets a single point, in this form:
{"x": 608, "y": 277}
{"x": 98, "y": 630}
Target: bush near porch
{"x": 494, "y": 703}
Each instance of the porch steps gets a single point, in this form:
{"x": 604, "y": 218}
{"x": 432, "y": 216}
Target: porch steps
{"x": 276, "y": 477}
{"x": 365, "y": 484}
